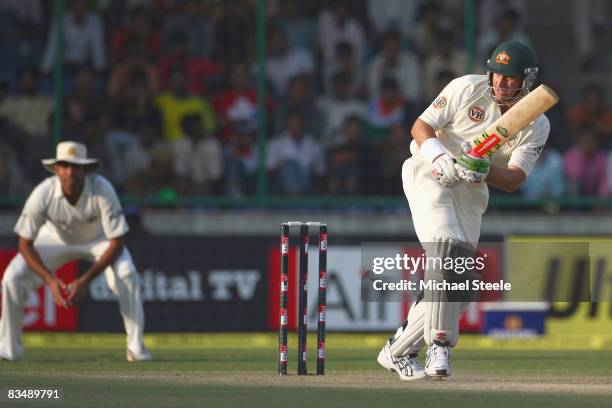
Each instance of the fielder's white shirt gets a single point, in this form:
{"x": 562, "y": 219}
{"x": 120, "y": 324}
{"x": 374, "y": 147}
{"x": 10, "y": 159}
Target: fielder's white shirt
{"x": 465, "y": 109}
{"x": 96, "y": 215}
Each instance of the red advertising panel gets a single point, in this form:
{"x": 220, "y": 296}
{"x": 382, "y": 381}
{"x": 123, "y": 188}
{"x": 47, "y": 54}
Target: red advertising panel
{"x": 41, "y": 312}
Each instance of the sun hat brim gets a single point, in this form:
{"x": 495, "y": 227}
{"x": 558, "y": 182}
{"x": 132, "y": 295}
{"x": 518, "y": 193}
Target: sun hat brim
{"x": 91, "y": 164}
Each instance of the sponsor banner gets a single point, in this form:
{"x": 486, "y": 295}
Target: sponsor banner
{"x": 577, "y": 271}
{"x": 189, "y": 284}
{"x": 346, "y": 309}
{"x": 41, "y": 313}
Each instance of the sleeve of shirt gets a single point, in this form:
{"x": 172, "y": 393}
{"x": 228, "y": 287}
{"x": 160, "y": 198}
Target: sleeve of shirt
{"x": 443, "y": 108}
{"x": 528, "y": 151}
{"x": 111, "y": 214}
{"x": 33, "y": 215}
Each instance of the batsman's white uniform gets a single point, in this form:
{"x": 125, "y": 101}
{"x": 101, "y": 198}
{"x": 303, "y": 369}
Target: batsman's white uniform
{"x": 464, "y": 109}
{"x": 62, "y": 233}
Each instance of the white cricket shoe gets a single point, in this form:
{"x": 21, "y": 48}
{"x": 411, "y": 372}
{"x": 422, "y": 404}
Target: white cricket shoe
{"x": 436, "y": 362}
{"x": 144, "y": 355}
{"x": 407, "y": 367}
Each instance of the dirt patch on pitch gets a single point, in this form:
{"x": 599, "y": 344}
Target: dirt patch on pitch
{"x": 466, "y": 382}
{"x": 546, "y": 384}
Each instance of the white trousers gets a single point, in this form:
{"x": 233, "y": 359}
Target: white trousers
{"x": 19, "y": 280}
{"x": 439, "y": 212}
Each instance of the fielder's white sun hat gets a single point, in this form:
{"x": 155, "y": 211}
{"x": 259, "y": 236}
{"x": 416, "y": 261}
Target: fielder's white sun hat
{"x": 71, "y": 152}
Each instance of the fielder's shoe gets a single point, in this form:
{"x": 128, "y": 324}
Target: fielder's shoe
{"x": 436, "y": 362}
{"x": 407, "y": 367}
{"x": 144, "y": 355}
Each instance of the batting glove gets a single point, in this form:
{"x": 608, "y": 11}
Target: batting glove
{"x": 445, "y": 172}
{"x": 472, "y": 169}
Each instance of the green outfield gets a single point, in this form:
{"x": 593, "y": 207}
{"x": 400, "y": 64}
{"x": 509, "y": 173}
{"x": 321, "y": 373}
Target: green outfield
{"x": 210, "y": 375}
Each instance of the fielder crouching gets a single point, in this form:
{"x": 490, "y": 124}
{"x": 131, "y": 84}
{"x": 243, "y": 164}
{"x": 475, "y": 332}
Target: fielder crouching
{"x": 74, "y": 214}
{"x": 447, "y": 192}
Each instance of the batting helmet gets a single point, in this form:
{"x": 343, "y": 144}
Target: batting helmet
{"x": 513, "y": 58}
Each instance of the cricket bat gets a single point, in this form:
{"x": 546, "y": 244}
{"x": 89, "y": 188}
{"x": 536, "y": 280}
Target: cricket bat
{"x": 515, "y": 119}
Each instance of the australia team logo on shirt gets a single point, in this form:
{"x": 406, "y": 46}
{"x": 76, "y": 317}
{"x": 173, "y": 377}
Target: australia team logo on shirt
{"x": 476, "y": 114}
{"x": 440, "y": 102}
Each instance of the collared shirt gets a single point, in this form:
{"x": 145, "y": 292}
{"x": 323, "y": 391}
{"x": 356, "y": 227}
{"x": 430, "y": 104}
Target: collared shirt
{"x": 465, "y": 109}
{"x": 96, "y": 215}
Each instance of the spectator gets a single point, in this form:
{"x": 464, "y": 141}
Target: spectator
{"x": 299, "y": 99}
{"x": 20, "y": 18}
{"x": 394, "y": 14}
{"x": 345, "y": 62}
{"x": 29, "y": 110}
{"x": 386, "y": 110}
{"x": 392, "y": 62}
{"x": 338, "y": 106}
{"x": 443, "y": 78}
{"x": 83, "y": 40}
{"x": 83, "y": 101}
{"x": 505, "y": 28}
{"x": 241, "y": 160}
{"x": 588, "y": 16}
{"x": 139, "y": 33}
{"x": 194, "y": 23}
{"x": 593, "y": 111}
{"x": 445, "y": 57}
{"x": 546, "y": 180}
{"x": 233, "y": 29}
{"x": 609, "y": 173}
{"x": 283, "y": 63}
{"x": 490, "y": 10}
{"x": 238, "y": 102}
{"x": 300, "y": 27}
{"x": 201, "y": 73}
{"x": 163, "y": 181}
{"x": 136, "y": 65}
{"x": 347, "y": 159}
{"x": 136, "y": 101}
{"x": 294, "y": 160}
{"x": 394, "y": 152}
{"x": 336, "y": 24}
{"x": 13, "y": 180}
{"x": 177, "y": 103}
{"x": 430, "y": 21}
{"x": 585, "y": 165}
{"x": 121, "y": 137}
{"x": 198, "y": 158}
{"x": 137, "y": 160}
{"x": 560, "y": 136}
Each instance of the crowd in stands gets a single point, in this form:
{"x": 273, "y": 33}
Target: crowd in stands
{"x": 165, "y": 93}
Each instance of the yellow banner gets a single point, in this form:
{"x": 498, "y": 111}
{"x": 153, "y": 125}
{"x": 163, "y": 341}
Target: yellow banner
{"x": 583, "y": 303}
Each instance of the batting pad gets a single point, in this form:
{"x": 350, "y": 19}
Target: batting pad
{"x": 443, "y": 307}
{"x": 409, "y": 337}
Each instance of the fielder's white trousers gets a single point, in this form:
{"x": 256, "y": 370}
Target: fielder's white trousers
{"x": 19, "y": 280}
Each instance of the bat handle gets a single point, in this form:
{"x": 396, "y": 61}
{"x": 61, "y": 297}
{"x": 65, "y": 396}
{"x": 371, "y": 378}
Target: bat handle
{"x": 474, "y": 154}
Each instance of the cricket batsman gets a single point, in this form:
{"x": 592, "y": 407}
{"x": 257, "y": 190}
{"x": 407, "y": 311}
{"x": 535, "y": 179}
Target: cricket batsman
{"x": 74, "y": 214}
{"x": 447, "y": 192}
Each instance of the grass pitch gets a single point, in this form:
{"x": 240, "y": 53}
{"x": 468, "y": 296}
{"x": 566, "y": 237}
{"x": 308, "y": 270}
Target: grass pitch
{"x": 236, "y": 377}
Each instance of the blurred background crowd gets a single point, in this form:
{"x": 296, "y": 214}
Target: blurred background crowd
{"x": 165, "y": 92}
